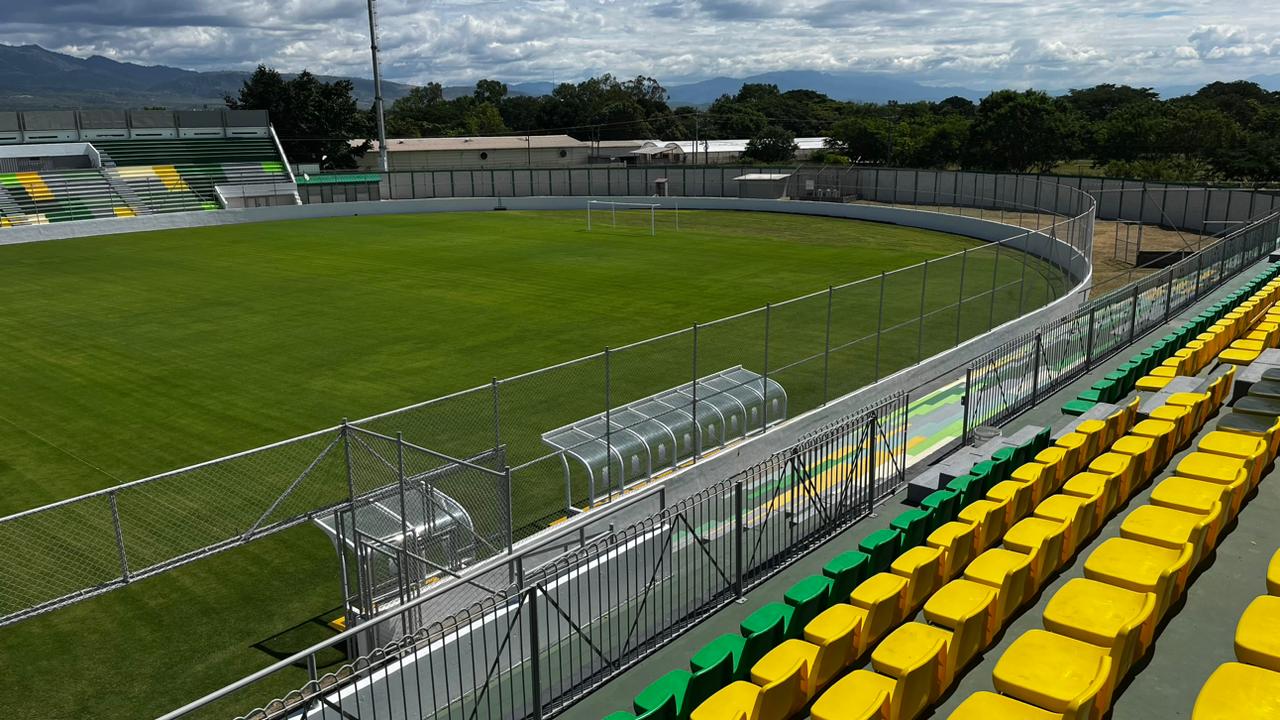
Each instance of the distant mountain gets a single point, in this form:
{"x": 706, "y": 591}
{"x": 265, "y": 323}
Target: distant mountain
{"x": 861, "y": 87}
{"x": 34, "y": 78}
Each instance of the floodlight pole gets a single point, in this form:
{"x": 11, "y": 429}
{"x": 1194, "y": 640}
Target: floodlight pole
{"x": 377, "y": 86}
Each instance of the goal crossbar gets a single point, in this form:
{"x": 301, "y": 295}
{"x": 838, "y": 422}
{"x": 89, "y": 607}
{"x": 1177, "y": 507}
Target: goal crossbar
{"x": 613, "y": 206}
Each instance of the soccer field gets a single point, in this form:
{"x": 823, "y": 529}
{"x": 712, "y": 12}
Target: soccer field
{"x": 129, "y": 355}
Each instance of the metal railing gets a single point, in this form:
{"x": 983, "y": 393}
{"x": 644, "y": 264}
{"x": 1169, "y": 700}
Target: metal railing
{"x": 818, "y": 347}
{"x": 1015, "y": 376}
{"x": 571, "y": 623}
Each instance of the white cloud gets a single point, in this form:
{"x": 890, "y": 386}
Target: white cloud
{"x": 978, "y": 44}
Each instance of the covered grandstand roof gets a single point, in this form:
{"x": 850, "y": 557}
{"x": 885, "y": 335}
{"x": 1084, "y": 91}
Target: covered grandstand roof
{"x": 503, "y": 142}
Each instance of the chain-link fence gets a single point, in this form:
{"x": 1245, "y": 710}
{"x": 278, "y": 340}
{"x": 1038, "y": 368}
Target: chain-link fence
{"x": 567, "y": 625}
{"x": 1015, "y": 376}
{"x": 482, "y": 461}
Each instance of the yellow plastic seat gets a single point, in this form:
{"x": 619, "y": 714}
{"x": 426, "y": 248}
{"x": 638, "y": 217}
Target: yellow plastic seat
{"x": 1171, "y": 528}
{"x": 1145, "y": 459}
{"x": 1056, "y": 673}
{"x": 1195, "y": 496}
{"x": 1073, "y": 513}
{"x": 1166, "y": 371}
{"x": 1075, "y": 445}
{"x": 1037, "y": 475}
{"x": 1008, "y": 573}
{"x": 1095, "y": 489}
{"x": 969, "y": 610}
{"x": 922, "y": 567}
{"x": 1140, "y": 567}
{"x": 860, "y": 695}
{"x": 1096, "y": 437}
{"x": 1251, "y": 449}
{"x": 915, "y": 655}
{"x": 1056, "y": 458}
{"x": 1241, "y": 352}
{"x": 1016, "y": 497}
{"x": 984, "y": 705}
{"x": 1101, "y": 614}
{"x": 742, "y": 700}
{"x": 1042, "y": 541}
{"x": 1258, "y": 633}
{"x": 795, "y": 656}
{"x": 1273, "y": 575}
{"x": 1221, "y": 470}
{"x": 957, "y": 541}
{"x": 1200, "y": 404}
{"x": 841, "y": 621}
{"x": 1152, "y": 383}
{"x": 1164, "y": 434}
{"x": 1183, "y": 422}
{"x": 988, "y": 517}
{"x": 1119, "y": 469}
{"x": 1236, "y": 691}
{"x": 1271, "y": 436}
{"x": 884, "y": 597}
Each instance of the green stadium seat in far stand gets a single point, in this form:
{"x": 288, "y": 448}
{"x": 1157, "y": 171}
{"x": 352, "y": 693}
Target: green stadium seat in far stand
{"x": 945, "y": 505}
{"x": 810, "y": 596}
{"x": 773, "y": 618}
{"x": 846, "y": 570}
{"x": 914, "y": 524}
{"x": 968, "y": 488}
{"x": 882, "y": 546}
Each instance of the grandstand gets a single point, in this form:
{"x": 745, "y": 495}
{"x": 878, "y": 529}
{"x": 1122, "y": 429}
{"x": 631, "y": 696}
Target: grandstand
{"x": 64, "y": 165}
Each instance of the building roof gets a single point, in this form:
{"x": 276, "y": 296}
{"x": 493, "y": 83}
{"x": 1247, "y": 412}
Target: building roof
{"x": 503, "y": 142}
{"x": 762, "y": 177}
{"x": 657, "y": 149}
{"x": 740, "y": 145}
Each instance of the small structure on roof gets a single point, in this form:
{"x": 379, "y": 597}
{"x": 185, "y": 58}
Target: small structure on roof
{"x": 644, "y": 438}
{"x": 772, "y": 186}
{"x": 505, "y": 151}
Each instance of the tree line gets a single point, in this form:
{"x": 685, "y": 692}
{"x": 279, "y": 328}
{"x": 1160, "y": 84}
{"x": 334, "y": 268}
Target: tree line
{"x": 1224, "y": 131}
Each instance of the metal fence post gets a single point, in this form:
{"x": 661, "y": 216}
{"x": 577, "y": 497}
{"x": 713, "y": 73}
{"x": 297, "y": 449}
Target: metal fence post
{"x": 351, "y": 485}
{"x": 764, "y": 391}
{"x": 738, "y": 542}
{"x": 1168, "y": 293}
{"x": 497, "y": 420}
{"x": 995, "y": 280}
{"x": 826, "y": 352}
{"x": 1088, "y": 348}
{"x": 1133, "y": 316}
{"x": 879, "y": 324}
{"x": 535, "y": 650}
{"x": 115, "y": 522}
{"x": 965, "y": 402}
{"x": 1035, "y": 370}
{"x": 608, "y": 422}
{"x": 511, "y": 516}
{"x": 1199, "y": 269}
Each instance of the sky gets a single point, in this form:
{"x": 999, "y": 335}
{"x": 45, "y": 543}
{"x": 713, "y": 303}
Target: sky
{"x": 978, "y": 44}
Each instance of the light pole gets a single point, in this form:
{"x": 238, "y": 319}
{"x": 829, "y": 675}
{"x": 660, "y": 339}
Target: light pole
{"x": 377, "y": 86}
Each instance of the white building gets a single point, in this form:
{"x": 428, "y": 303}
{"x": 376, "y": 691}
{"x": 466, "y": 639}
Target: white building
{"x": 480, "y": 152}
{"x": 711, "y": 152}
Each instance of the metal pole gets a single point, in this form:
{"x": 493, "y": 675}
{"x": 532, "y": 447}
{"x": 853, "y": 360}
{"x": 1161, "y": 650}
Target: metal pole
{"x": 995, "y": 279}
{"x": 826, "y": 353}
{"x": 967, "y": 400}
{"x": 964, "y": 261}
{"x": 511, "y": 515}
{"x": 351, "y": 485}
{"x": 497, "y": 420}
{"x": 697, "y": 430}
{"x": 115, "y": 521}
{"x": 1088, "y": 348}
{"x": 738, "y": 543}
{"x": 1035, "y": 371}
{"x": 377, "y": 86}
{"x": 1133, "y": 316}
{"x": 404, "y": 520}
{"x": 879, "y": 324}
{"x": 608, "y": 423}
{"x": 764, "y": 390}
{"x": 1026, "y": 258}
{"x": 535, "y": 664}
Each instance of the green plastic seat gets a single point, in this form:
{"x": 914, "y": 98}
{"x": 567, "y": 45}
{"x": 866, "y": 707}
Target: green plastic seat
{"x": 987, "y": 472}
{"x": 773, "y": 619}
{"x": 968, "y": 488}
{"x": 1007, "y": 455}
{"x": 914, "y": 524}
{"x": 810, "y": 596}
{"x": 1044, "y": 437}
{"x": 882, "y": 546}
{"x": 846, "y": 570}
{"x": 944, "y": 503}
{"x": 742, "y": 652}
{"x": 684, "y": 689}
{"x": 1077, "y": 407}
{"x": 662, "y": 711}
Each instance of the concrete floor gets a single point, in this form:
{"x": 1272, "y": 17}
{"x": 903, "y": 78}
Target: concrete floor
{"x": 1197, "y": 636}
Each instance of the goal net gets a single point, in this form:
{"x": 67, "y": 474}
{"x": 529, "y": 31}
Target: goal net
{"x": 630, "y": 217}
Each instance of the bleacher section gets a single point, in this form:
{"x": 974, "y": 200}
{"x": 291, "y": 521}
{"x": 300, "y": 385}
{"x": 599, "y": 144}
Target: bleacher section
{"x": 924, "y": 598}
{"x": 147, "y": 162}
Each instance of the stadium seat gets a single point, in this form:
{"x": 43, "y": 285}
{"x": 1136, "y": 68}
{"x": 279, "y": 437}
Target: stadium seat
{"x": 747, "y": 701}
{"x": 1098, "y": 490}
{"x": 1231, "y": 473}
{"x": 1236, "y": 691}
{"x": 1016, "y": 497}
{"x": 922, "y": 567}
{"x": 968, "y": 488}
{"x": 687, "y": 690}
{"x": 1140, "y": 567}
{"x": 772, "y": 619}
{"x": 809, "y": 597}
{"x": 1163, "y": 433}
{"x": 1143, "y": 456}
{"x": 1170, "y": 528}
{"x": 988, "y": 519}
{"x": 914, "y": 525}
{"x": 860, "y": 695}
{"x": 1041, "y": 540}
{"x": 1252, "y": 450}
{"x": 1037, "y": 476}
{"x": 1056, "y": 673}
{"x": 666, "y": 710}
{"x": 1257, "y": 635}
{"x": 984, "y": 705}
{"x": 882, "y": 546}
{"x": 944, "y": 504}
{"x": 1075, "y": 516}
{"x": 1008, "y": 573}
{"x": 1104, "y": 615}
{"x": 1195, "y": 496}
{"x": 958, "y": 542}
{"x": 884, "y": 598}
{"x": 915, "y": 655}
{"x": 846, "y": 570}
{"x": 970, "y": 611}
{"x": 1273, "y": 575}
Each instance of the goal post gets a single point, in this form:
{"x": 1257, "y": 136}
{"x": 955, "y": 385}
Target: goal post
{"x": 607, "y": 213}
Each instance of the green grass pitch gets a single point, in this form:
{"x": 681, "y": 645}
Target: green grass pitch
{"x": 130, "y": 355}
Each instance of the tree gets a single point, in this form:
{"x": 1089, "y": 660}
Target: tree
{"x": 484, "y": 119}
{"x": 1021, "y": 131}
{"x": 490, "y": 91}
{"x": 773, "y": 144}
{"x": 863, "y": 139}
{"x": 1137, "y": 131}
{"x": 1097, "y": 103}
{"x": 316, "y": 121}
